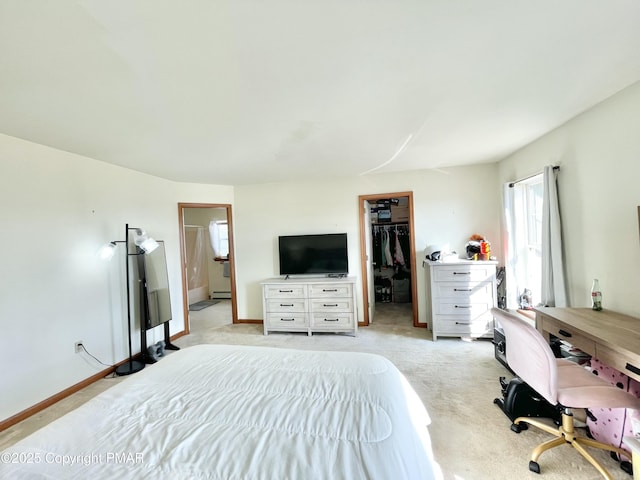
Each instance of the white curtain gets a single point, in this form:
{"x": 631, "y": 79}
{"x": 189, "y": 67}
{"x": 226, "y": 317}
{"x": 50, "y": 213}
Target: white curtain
{"x": 513, "y": 269}
{"x": 214, "y": 236}
{"x": 554, "y": 292}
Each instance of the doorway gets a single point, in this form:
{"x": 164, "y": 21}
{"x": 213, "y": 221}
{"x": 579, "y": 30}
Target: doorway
{"x": 398, "y": 281}
{"x": 207, "y": 259}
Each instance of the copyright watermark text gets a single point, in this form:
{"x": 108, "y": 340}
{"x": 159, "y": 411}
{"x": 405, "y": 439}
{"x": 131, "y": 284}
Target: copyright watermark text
{"x": 86, "y": 459}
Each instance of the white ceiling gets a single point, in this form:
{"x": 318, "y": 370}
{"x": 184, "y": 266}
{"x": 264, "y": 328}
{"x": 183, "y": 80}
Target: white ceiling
{"x": 251, "y": 91}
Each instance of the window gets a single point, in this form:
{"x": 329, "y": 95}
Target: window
{"x": 219, "y": 233}
{"x": 533, "y": 249}
{"x": 524, "y": 212}
{"x": 223, "y": 239}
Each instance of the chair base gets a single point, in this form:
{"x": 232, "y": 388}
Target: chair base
{"x": 565, "y": 434}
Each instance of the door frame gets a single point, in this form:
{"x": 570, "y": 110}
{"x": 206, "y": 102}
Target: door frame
{"x": 183, "y": 259}
{"x": 368, "y": 254}
{"x": 366, "y": 263}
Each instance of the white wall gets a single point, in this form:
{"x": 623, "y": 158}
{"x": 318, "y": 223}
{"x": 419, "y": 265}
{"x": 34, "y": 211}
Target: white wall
{"x": 449, "y": 206}
{"x": 599, "y": 158}
{"x": 56, "y": 210}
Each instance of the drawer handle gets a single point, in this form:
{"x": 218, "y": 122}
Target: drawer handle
{"x": 287, "y": 319}
{"x": 462, "y": 273}
{"x": 286, "y": 304}
{"x": 329, "y": 289}
{"x": 564, "y": 333}
{"x": 461, "y": 289}
{"x": 285, "y": 291}
{"x": 633, "y": 368}
{"x": 463, "y": 323}
{"x": 331, "y": 319}
{"x": 463, "y": 306}
{"x": 329, "y": 304}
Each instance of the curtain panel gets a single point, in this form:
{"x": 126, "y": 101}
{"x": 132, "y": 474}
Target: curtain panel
{"x": 554, "y": 290}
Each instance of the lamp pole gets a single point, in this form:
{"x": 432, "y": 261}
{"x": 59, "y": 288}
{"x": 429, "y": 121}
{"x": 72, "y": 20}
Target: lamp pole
{"x": 131, "y": 366}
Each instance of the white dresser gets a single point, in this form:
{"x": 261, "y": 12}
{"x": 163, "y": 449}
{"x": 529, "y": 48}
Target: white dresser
{"x": 460, "y": 295}
{"x": 318, "y": 304}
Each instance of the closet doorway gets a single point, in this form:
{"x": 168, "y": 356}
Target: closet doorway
{"x": 387, "y": 246}
{"x": 207, "y": 260}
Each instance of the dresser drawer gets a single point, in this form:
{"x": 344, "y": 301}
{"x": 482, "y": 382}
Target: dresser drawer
{"x": 295, "y": 320}
{"x": 464, "y": 273}
{"x": 332, "y": 305}
{"x": 619, "y": 360}
{"x": 470, "y": 291}
{"x": 462, "y": 308}
{"x": 284, "y": 305}
{"x": 447, "y": 325}
{"x": 335, "y": 321}
{"x": 285, "y": 291}
{"x": 569, "y": 335}
{"x": 328, "y": 290}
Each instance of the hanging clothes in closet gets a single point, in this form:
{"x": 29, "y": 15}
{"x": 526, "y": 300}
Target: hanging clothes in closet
{"x": 390, "y": 245}
{"x": 398, "y": 256}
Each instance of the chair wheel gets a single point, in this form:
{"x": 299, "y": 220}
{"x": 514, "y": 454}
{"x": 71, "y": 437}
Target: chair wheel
{"x": 627, "y": 467}
{"x": 516, "y": 428}
{"x": 534, "y": 467}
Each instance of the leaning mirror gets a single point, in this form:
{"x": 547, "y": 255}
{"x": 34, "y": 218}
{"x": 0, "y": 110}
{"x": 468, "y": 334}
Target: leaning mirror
{"x": 154, "y": 280}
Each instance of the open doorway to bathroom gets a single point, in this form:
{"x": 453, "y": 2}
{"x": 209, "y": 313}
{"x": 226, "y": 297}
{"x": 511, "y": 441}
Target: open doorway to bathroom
{"x": 387, "y": 246}
{"x": 208, "y": 280}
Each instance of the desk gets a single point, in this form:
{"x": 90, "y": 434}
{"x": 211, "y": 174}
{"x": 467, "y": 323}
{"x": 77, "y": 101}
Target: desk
{"x": 613, "y": 338}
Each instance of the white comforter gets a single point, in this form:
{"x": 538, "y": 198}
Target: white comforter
{"x": 238, "y": 412}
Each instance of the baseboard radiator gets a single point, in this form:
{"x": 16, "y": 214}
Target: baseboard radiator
{"x": 219, "y": 295}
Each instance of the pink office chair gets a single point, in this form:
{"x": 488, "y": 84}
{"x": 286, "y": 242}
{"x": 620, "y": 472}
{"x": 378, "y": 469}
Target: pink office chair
{"x": 560, "y": 382}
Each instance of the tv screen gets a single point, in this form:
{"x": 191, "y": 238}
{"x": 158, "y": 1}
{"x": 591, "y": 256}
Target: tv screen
{"x": 313, "y": 254}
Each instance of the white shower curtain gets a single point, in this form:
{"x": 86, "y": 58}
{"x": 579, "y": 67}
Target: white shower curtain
{"x": 554, "y": 291}
{"x": 197, "y": 273}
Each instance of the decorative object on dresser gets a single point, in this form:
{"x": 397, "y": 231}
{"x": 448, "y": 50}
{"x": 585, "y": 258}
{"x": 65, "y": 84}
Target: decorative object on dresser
{"x": 460, "y": 296}
{"x": 310, "y": 304}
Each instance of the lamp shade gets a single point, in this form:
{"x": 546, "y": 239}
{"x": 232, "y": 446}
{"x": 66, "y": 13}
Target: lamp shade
{"x": 144, "y": 241}
{"x": 107, "y": 251}
{"x": 148, "y": 245}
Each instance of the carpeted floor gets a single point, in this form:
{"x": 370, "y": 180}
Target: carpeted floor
{"x": 456, "y": 379}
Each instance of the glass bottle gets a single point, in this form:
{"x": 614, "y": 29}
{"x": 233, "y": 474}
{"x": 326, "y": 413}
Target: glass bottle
{"x": 596, "y": 296}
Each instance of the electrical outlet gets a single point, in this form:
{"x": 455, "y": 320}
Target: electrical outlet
{"x": 78, "y": 346}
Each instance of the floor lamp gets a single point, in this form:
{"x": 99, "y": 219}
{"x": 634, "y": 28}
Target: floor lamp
{"x": 144, "y": 245}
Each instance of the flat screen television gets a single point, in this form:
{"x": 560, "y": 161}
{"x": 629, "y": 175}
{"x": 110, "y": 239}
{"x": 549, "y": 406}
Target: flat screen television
{"x": 313, "y": 254}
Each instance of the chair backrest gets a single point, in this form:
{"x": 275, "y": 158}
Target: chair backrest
{"x": 529, "y": 355}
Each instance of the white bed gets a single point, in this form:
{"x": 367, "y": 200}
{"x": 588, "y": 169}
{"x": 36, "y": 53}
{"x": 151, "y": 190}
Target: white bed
{"x": 239, "y": 412}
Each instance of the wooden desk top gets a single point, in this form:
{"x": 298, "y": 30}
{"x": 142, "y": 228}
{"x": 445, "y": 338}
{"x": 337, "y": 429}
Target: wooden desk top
{"x": 613, "y": 329}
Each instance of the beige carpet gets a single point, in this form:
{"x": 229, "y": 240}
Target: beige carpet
{"x": 457, "y": 381}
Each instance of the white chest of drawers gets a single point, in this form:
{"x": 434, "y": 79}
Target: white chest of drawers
{"x": 460, "y": 297}
{"x": 309, "y": 305}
